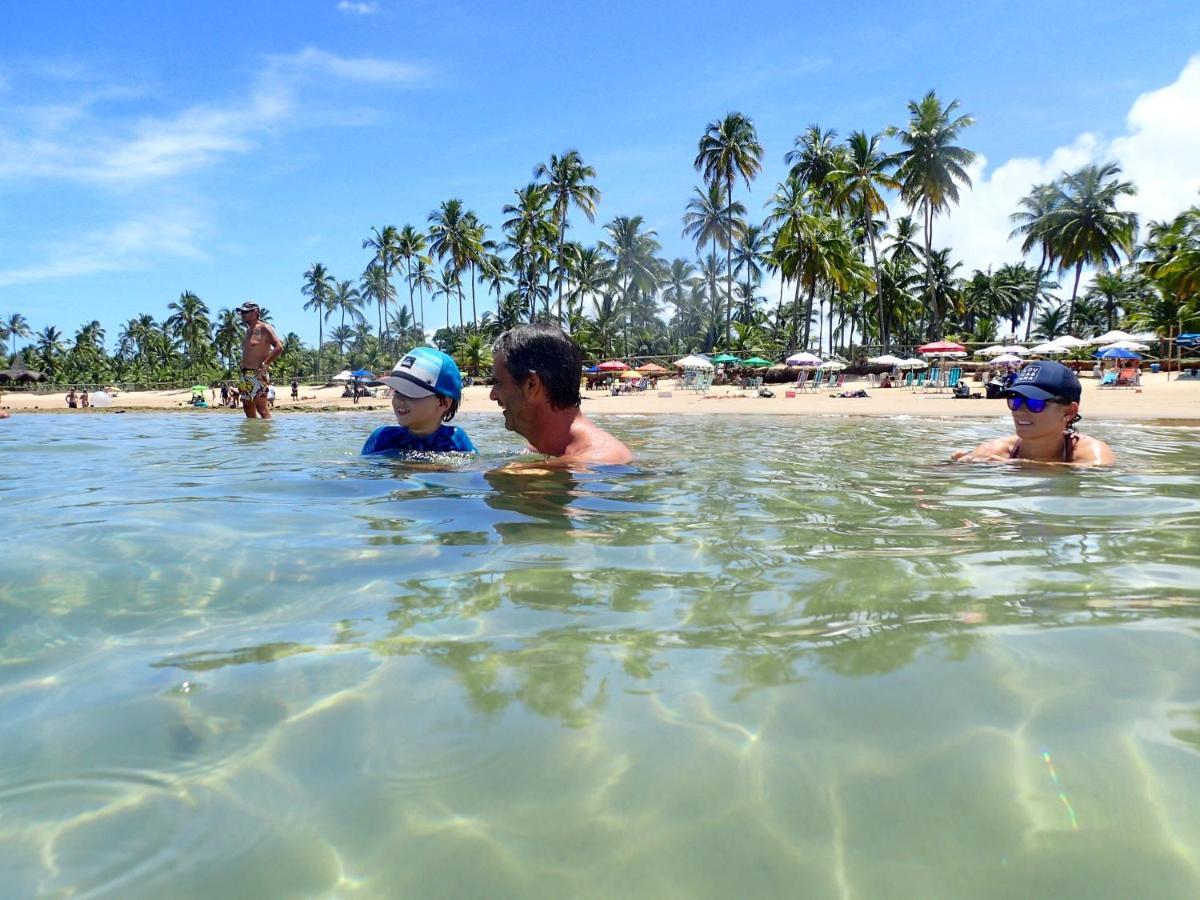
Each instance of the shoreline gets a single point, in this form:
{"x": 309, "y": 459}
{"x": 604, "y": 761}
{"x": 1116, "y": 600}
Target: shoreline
{"x": 1156, "y": 400}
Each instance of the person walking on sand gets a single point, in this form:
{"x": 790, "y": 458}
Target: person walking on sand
{"x": 260, "y": 348}
{"x": 72, "y": 399}
{"x": 536, "y": 369}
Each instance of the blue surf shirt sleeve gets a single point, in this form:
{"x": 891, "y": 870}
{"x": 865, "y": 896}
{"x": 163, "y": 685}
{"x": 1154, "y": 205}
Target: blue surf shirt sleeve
{"x": 396, "y": 438}
{"x": 462, "y": 443}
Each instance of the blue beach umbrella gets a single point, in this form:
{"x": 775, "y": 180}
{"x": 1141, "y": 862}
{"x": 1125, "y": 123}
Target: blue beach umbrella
{"x": 1117, "y": 353}
{"x": 362, "y": 373}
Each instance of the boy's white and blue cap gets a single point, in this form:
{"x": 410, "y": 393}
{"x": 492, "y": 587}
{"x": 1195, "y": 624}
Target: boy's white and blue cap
{"x": 423, "y": 372}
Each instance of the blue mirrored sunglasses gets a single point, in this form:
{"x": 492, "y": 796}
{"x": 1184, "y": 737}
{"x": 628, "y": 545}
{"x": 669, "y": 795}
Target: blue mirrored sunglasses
{"x": 1033, "y": 403}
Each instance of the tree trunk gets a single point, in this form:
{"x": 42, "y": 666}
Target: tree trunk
{"x": 412, "y": 307}
{"x": 935, "y": 319}
{"x": 474, "y": 313}
{"x": 1037, "y": 286}
{"x": 883, "y": 328}
{"x": 1074, "y": 291}
{"x": 729, "y": 264}
{"x": 812, "y": 291}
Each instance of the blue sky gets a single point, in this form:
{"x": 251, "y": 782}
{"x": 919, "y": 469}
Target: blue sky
{"x": 148, "y": 148}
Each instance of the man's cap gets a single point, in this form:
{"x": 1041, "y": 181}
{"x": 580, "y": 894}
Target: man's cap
{"x": 248, "y": 306}
{"x": 422, "y": 372}
{"x": 1045, "y": 379}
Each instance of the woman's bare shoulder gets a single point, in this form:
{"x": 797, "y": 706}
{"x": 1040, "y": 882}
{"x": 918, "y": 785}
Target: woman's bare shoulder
{"x": 997, "y": 448}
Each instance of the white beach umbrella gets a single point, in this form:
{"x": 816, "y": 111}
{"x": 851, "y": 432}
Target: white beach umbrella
{"x": 1070, "y": 341}
{"x": 343, "y": 375}
{"x": 692, "y": 362}
{"x": 1110, "y": 337}
{"x": 1050, "y": 349}
{"x": 804, "y": 359}
{"x": 1007, "y": 358}
{"x": 886, "y": 360}
{"x": 1126, "y": 345}
{"x": 994, "y": 350}
{"x": 832, "y": 365}
{"x": 1014, "y": 349}
{"x": 912, "y": 364}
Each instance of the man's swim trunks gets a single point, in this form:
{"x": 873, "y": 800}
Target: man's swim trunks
{"x": 254, "y": 385}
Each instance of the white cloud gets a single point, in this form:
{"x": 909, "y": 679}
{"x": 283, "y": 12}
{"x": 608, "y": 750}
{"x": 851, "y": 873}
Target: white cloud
{"x": 126, "y": 245}
{"x": 84, "y": 141}
{"x": 348, "y": 8}
{"x": 1159, "y": 154}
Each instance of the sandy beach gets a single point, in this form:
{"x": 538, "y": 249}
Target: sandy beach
{"x": 1157, "y": 399}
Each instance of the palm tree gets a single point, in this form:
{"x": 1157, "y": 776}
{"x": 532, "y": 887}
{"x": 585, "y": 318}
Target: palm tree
{"x": 410, "y": 245}
{"x": 420, "y": 277}
{"x": 729, "y": 148}
{"x": 749, "y": 257}
{"x": 50, "y": 348}
{"x": 1032, "y": 225}
{"x": 474, "y": 353}
{"x": 385, "y": 243}
{"x": 567, "y": 178}
{"x": 189, "y": 323}
{"x": 813, "y": 159}
{"x": 452, "y": 235}
{"x": 15, "y": 326}
{"x": 1085, "y": 227}
{"x": 375, "y": 287}
{"x": 227, "y": 334}
{"x": 531, "y": 231}
{"x": 930, "y": 170}
{"x": 345, "y": 299}
{"x": 634, "y": 262}
{"x": 318, "y": 287}
{"x": 863, "y": 172}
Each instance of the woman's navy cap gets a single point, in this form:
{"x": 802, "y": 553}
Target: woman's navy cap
{"x": 1045, "y": 379}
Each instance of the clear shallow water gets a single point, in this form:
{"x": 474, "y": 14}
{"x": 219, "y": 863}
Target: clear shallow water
{"x": 779, "y": 657}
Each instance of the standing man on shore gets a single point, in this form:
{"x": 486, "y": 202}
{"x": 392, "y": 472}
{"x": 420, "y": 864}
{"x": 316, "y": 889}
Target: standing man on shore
{"x": 537, "y": 371}
{"x": 260, "y": 348}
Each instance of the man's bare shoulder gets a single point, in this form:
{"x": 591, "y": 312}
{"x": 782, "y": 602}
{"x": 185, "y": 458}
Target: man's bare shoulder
{"x": 592, "y": 444}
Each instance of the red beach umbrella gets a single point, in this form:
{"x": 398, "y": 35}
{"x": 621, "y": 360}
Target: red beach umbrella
{"x": 942, "y": 347}
{"x": 612, "y": 365}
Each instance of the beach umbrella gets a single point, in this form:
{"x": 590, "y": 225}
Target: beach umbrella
{"x": 630, "y": 375}
{"x": 100, "y": 398}
{"x": 832, "y": 365}
{"x": 1014, "y": 349}
{"x": 1049, "y": 349}
{"x": 1007, "y": 359}
{"x": 362, "y": 373}
{"x": 886, "y": 360}
{"x": 804, "y": 359}
{"x": 612, "y": 365}
{"x": 1071, "y": 342}
{"x": 199, "y": 388}
{"x": 723, "y": 358}
{"x": 756, "y": 362}
{"x": 692, "y": 362}
{"x": 994, "y": 350}
{"x": 590, "y": 370}
{"x": 1127, "y": 345}
{"x": 1110, "y": 337}
{"x": 652, "y": 369}
{"x": 343, "y": 375}
{"x": 1117, "y": 353}
{"x": 941, "y": 348}
{"x": 912, "y": 364}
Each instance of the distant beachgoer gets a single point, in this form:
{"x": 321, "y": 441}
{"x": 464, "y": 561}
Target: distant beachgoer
{"x": 260, "y": 348}
{"x": 224, "y": 394}
{"x": 271, "y": 396}
{"x": 84, "y": 403}
{"x": 1044, "y": 400}
{"x": 72, "y": 399}
{"x": 426, "y": 390}
{"x": 536, "y": 370}
{"x": 295, "y": 389}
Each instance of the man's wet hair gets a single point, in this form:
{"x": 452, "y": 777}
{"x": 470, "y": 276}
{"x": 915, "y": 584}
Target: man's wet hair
{"x": 547, "y": 351}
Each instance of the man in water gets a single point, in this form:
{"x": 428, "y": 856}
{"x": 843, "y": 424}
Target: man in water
{"x": 537, "y": 370}
{"x": 260, "y": 348}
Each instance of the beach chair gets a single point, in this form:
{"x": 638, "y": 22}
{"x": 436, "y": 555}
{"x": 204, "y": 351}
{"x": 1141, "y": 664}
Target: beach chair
{"x": 1127, "y": 378}
{"x": 1109, "y": 380}
{"x": 933, "y": 381}
{"x": 953, "y": 378}
{"x": 817, "y": 381}
{"x": 801, "y": 380}
{"x": 841, "y": 380}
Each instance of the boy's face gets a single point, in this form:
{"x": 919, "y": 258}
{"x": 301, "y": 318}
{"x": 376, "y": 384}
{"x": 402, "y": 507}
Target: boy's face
{"x": 420, "y": 415}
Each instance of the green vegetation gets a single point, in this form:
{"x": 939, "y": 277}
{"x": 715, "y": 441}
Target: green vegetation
{"x": 824, "y": 230}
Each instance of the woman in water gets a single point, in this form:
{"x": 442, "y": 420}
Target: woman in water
{"x": 1044, "y": 401}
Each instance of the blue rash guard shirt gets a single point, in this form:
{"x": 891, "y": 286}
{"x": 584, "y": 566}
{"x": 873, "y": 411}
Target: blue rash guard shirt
{"x": 391, "y": 438}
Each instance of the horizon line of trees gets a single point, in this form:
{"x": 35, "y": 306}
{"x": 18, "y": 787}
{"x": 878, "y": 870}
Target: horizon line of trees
{"x": 844, "y": 267}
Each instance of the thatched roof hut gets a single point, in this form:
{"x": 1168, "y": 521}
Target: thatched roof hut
{"x": 19, "y": 372}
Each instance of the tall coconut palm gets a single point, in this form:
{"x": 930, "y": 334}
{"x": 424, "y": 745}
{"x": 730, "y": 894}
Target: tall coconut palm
{"x": 749, "y": 258}
{"x": 930, "y": 170}
{"x": 346, "y": 299}
{"x": 1085, "y": 226}
{"x": 227, "y": 335}
{"x": 633, "y": 252}
{"x": 863, "y": 171}
{"x": 410, "y": 244}
{"x": 813, "y": 159}
{"x": 729, "y": 149}
{"x": 452, "y": 235}
{"x": 1032, "y": 223}
{"x": 567, "y": 178}
{"x": 318, "y": 287}
{"x": 189, "y": 323}
{"x": 13, "y": 327}
{"x": 375, "y": 287}
{"x": 385, "y": 245}
{"x": 531, "y": 232}
{"x": 50, "y": 348}
{"x": 420, "y": 277}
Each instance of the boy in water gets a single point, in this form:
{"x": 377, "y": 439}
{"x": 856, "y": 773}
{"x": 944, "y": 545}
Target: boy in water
{"x": 426, "y": 390}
